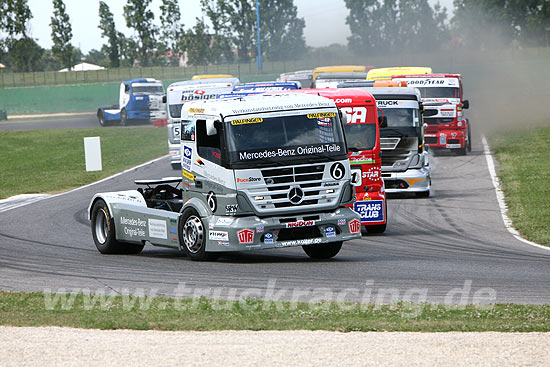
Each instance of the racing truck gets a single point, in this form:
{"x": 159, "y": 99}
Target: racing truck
{"x": 139, "y": 100}
{"x": 190, "y": 90}
{"x": 444, "y": 92}
{"x": 331, "y": 80}
{"x": 405, "y": 162}
{"x": 363, "y": 141}
{"x": 304, "y": 77}
{"x": 258, "y": 172}
{"x": 248, "y": 89}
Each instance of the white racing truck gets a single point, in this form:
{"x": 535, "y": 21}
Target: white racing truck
{"x": 258, "y": 172}
{"x": 182, "y": 92}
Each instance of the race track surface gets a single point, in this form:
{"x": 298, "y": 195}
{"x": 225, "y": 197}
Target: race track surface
{"x": 441, "y": 249}
{"x": 70, "y": 122}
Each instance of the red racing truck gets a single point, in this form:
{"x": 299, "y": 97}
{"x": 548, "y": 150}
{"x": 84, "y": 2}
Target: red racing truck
{"x": 449, "y": 129}
{"x": 363, "y": 140}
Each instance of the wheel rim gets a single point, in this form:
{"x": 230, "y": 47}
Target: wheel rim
{"x": 193, "y": 234}
{"x": 101, "y": 226}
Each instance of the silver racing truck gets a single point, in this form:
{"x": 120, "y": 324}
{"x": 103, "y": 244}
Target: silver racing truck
{"x": 259, "y": 172}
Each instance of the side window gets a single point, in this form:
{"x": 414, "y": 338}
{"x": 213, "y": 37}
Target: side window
{"x": 188, "y": 130}
{"x": 208, "y": 147}
{"x": 126, "y": 88}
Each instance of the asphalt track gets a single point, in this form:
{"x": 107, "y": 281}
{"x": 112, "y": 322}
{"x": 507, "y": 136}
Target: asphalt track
{"x": 441, "y": 249}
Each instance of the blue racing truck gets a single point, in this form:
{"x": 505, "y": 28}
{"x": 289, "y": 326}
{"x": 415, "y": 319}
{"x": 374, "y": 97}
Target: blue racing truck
{"x": 139, "y": 100}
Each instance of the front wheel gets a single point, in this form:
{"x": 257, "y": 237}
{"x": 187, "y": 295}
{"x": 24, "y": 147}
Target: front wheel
{"x": 380, "y": 228}
{"x": 469, "y": 145}
{"x": 103, "y": 232}
{"x": 101, "y": 118}
{"x": 323, "y": 250}
{"x": 192, "y": 234}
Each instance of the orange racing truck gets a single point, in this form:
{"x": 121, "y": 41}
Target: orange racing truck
{"x": 449, "y": 129}
{"x": 363, "y": 139}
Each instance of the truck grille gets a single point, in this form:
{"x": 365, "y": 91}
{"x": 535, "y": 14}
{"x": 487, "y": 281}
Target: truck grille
{"x": 430, "y": 139}
{"x": 389, "y": 143}
{"x": 390, "y": 157}
{"x": 281, "y": 185}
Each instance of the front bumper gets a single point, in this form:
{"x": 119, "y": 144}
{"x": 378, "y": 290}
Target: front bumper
{"x": 252, "y": 233}
{"x": 412, "y": 180}
{"x": 445, "y": 139}
{"x": 174, "y": 151}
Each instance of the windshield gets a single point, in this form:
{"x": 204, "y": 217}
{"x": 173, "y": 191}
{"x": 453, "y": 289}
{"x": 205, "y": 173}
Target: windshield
{"x": 401, "y": 117}
{"x": 175, "y": 110}
{"x": 360, "y": 136}
{"x": 149, "y": 89}
{"x": 439, "y": 92}
{"x": 294, "y": 139}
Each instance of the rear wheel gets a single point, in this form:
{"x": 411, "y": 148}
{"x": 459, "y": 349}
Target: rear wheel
{"x": 192, "y": 233}
{"x": 323, "y": 250}
{"x": 123, "y": 117}
{"x": 103, "y": 232}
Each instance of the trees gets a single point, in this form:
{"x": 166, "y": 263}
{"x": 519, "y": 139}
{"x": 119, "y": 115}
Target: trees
{"x": 108, "y": 30}
{"x": 62, "y": 34}
{"x": 395, "y": 25}
{"x": 140, "y": 18}
{"x": 171, "y": 30}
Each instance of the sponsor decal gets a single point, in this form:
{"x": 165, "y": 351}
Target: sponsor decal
{"x": 252, "y": 120}
{"x": 198, "y": 91}
{"x": 300, "y": 223}
{"x": 341, "y": 222}
{"x": 320, "y": 115}
{"x": 188, "y": 175}
{"x": 384, "y": 103}
{"x": 157, "y": 228}
{"x": 337, "y": 171}
{"x": 290, "y": 152}
{"x": 232, "y": 208}
{"x": 260, "y": 229}
{"x": 218, "y": 235}
{"x": 133, "y": 227}
{"x": 354, "y": 225}
{"x": 442, "y": 139}
{"x": 221, "y": 243}
{"x": 196, "y": 110}
{"x": 211, "y": 226}
{"x": 224, "y": 221}
{"x": 356, "y": 115}
{"x": 211, "y": 200}
{"x": 372, "y": 173}
{"x": 330, "y": 231}
{"x": 249, "y": 179}
{"x": 173, "y": 230}
{"x": 173, "y": 221}
{"x": 370, "y": 211}
{"x": 246, "y": 236}
{"x": 199, "y": 162}
{"x": 187, "y": 157}
{"x": 307, "y": 241}
{"x": 268, "y": 237}
{"x": 343, "y": 100}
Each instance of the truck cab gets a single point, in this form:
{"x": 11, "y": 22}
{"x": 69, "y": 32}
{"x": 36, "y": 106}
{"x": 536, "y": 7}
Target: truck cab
{"x": 363, "y": 140}
{"x": 139, "y": 100}
{"x": 405, "y": 163}
{"x": 449, "y": 129}
{"x": 331, "y": 80}
{"x": 186, "y": 91}
{"x": 258, "y": 172}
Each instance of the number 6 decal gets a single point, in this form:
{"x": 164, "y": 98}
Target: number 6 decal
{"x": 337, "y": 171}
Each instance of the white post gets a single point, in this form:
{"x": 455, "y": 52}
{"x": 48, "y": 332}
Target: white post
{"x": 92, "y": 153}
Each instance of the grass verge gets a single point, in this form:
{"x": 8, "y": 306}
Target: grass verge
{"x": 158, "y": 313}
{"x": 524, "y": 169}
{"x": 39, "y": 161}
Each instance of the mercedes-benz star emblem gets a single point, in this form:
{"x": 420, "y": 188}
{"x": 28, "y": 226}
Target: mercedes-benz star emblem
{"x": 296, "y": 195}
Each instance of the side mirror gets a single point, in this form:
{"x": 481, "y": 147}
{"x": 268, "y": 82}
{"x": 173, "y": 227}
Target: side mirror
{"x": 164, "y": 98}
{"x": 211, "y": 127}
{"x": 356, "y": 176}
{"x": 430, "y": 112}
{"x": 465, "y": 104}
{"x": 382, "y": 121}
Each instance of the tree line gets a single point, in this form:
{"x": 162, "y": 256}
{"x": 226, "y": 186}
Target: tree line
{"x": 226, "y": 32}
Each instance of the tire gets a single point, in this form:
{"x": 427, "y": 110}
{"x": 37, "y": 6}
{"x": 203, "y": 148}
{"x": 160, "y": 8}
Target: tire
{"x": 422, "y": 194}
{"x": 101, "y": 118}
{"x": 192, "y": 234}
{"x": 123, "y": 117}
{"x": 469, "y": 145}
{"x": 461, "y": 151}
{"x": 323, "y": 250}
{"x": 176, "y": 166}
{"x": 380, "y": 228}
{"x": 103, "y": 232}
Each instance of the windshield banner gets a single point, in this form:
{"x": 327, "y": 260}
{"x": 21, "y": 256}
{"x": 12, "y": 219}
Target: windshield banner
{"x": 429, "y": 82}
{"x": 301, "y": 150}
{"x": 387, "y": 103}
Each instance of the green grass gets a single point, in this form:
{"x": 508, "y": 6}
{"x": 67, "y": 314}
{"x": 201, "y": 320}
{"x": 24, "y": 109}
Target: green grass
{"x": 524, "y": 170}
{"x": 38, "y": 309}
{"x": 42, "y": 161}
